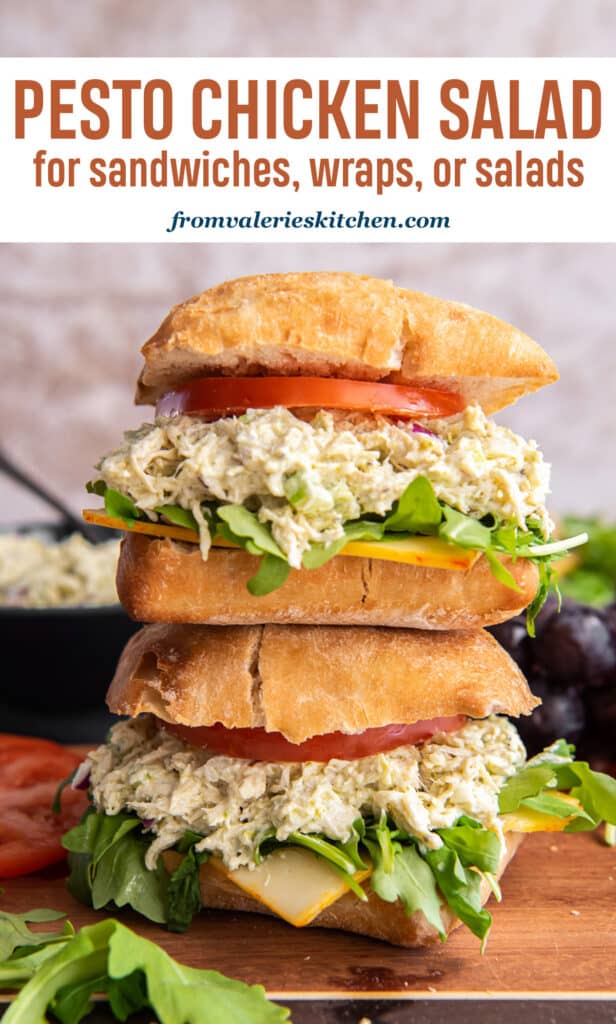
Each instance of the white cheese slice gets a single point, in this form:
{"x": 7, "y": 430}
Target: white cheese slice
{"x": 294, "y": 883}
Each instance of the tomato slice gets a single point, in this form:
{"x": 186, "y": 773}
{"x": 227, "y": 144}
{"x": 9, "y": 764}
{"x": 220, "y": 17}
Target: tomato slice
{"x": 259, "y": 745}
{"x": 224, "y": 396}
{"x": 30, "y": 833}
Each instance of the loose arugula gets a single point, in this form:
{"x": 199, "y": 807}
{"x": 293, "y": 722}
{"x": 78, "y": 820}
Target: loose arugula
{"x": 418, "y": 512}
{"x": 15, "y": 934}
{"x": 135, "y": 974}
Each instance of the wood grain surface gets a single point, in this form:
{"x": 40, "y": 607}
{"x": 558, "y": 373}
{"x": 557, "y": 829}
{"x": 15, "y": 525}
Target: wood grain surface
{"x": 554, "y": 933}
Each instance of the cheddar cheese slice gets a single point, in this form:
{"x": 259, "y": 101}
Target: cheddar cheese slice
{"x": 430, "y": 552}
{"x": 526, "y": 819}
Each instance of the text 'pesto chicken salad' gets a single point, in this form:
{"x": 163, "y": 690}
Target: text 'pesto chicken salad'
{"x": 295, "y": 490}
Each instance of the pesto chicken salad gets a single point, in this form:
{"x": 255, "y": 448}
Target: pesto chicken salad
{"x": 426, "y": 824}
{"x": 295, "y": 490}
{"x": 233, "y": 803}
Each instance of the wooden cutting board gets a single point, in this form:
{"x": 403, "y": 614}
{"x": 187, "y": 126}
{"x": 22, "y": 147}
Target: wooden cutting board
{"x": 554, "y": 934}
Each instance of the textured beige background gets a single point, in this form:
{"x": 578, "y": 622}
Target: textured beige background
{"x": 73, "y": 317}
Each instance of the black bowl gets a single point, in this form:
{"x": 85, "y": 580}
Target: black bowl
{"x": 60, "y": 659}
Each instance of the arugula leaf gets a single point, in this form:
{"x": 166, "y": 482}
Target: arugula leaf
{"x": 556, "y": 807}
{"x": 96, "y": 833}
{"x": 271, "y": 574}
{"x": 184, "y": 892}
{"x": 410, "y": 880}
{"x": 244, "y": 528}
{"x": 360, "y": 529}
{"x": 73, "y": 1002}
{"x": 596, "y": 792}
{"x": 22, "y": 965}
{"x": 555, "y": 770}
{"x": 56, "y": 806}
{"x": 331, "y": 852}
{"x": 15, "y": 934}
{"x": 185, "y": 995}
{"x": 547, "y": 582}
{"x": 461, "y": 887}
{"x": 107, "y": 861}
{"x": 474, "y": 845}
{"x": 118, "y": 506}
{"x": 417, "y": 510}
{"x": 96, "y": 487}
{"x": 500, "y": 572}
{"x": 82, "y": 958}
{"x": 121, "y": 877}
{"x": 127, "y": 995}
{"x": 178, "y": 516}
{"x": 383, "y": 835}
{"x": 458, "y": 528}
{"x": 351, "y": 847}
{"x": 135, "y": 973}
{"x": 529, "y": 781}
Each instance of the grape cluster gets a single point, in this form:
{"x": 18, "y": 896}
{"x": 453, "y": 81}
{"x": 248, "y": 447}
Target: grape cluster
{"x": 571, "y": 666}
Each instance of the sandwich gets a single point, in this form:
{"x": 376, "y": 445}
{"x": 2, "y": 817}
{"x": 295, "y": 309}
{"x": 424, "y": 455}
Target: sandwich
{"x": 322, "y": 452}
{"x": 334, "y": 776}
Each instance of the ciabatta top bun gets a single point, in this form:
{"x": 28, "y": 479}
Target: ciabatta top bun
{"x": 342, "y": 325}
{"x": 304, "y": 681}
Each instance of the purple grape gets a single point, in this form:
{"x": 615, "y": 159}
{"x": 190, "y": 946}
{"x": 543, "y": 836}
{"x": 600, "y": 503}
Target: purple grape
{"x": 576, "y": 648}
{"x": 601, "y": 703}
{"x": 514, "y": 638}
{"x": 562, "y": 713}
{"x": 610, "y": 619}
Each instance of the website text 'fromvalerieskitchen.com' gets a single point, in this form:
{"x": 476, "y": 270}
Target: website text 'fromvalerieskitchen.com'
{"x": 329, "y": 150}
{"x": 323, "y": 220}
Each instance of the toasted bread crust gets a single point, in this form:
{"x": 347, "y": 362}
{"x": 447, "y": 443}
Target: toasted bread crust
{"x": 168, "y": 581}
{"x": 386, "y": 921}
{"x": 341, "y": 325}
{"x": 304, "y": 681}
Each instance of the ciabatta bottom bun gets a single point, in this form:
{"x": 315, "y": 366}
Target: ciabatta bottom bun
{"x": 379, "y": 920}
{"x": 168, "y": 581}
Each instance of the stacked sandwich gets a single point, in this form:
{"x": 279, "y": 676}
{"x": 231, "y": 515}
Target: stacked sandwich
{"x": 319, "y": 522}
